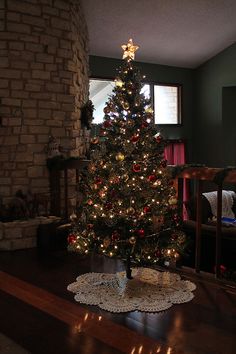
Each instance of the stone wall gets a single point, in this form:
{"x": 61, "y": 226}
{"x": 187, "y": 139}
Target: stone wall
{"x": 43, "y": 84}
{"x": 22, "y": 234}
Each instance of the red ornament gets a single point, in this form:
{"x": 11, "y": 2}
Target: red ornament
{"x": 159, "y": 139}
{"x": 90, "y": 202}
{"x": 146, "y": 209}
{"x": 158, "y": 253}
{"x": 136, "y": 167}
{"x": 141, "y": 233}
{"x": 107, "y": 124}
{"x": 176, "y": 218}
{"x": 152, "y": 178}
{"x": 135, "y": 138}
{"x": 144, "y": 125}
{"x": 98, "y": 180}
{"x": 71, "y": 238}
{"x": 108, "y": 206}
{"x": 115, "y": 236}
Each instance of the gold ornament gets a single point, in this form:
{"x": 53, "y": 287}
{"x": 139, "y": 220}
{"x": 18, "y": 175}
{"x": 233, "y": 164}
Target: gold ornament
{"x": 149, "y": 110}
{"x": 130, "y": 211}
{"x": 119, "y": 83}
{"x": 129, "y": 50}
{"x": 107, "y": 242}
{"x": 172, "y": 201}
{"x": 125, "y": 105}
{"x": 132, "y": 240}
{"x": 120, "y": 156}
{"x": 94, "y": 140}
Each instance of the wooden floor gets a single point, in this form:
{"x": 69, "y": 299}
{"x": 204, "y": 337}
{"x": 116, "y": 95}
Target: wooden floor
{"x": 39, "y": 314}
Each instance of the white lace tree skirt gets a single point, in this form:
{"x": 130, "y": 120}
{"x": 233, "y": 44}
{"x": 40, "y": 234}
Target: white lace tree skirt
{"x": 148, "y": 291}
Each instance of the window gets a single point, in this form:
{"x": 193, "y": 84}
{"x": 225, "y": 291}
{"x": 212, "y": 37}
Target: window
{"x": 165, "y": 98}
{"x": 99, "y": 91}
{"x": 167, "y": 104}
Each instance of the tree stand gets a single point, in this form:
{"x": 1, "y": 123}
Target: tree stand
{"x": 128, "y": 268}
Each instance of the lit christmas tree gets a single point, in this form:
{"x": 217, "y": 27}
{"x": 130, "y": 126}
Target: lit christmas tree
{"x": 130, "y": 207}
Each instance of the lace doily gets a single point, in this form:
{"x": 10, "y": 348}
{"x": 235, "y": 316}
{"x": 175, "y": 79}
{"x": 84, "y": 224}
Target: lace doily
{"x": 148, "y": 291}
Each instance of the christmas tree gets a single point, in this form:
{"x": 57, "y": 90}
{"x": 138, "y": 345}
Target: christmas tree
{"x": 130, "y": 206}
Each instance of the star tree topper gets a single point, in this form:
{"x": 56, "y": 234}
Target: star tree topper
{"x": 129, "y": 49}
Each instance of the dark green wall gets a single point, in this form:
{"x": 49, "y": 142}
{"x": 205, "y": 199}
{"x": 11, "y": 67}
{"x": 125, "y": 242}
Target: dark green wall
{"x": 107, "y": 68}
{"x": 214, "y": 125}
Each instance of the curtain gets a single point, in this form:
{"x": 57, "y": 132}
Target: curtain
{"x": 175, "y": 154}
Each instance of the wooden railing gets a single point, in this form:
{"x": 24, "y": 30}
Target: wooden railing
{"x": 219, "y": 176}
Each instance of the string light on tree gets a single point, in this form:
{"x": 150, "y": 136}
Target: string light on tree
{"x": 130, "y": 201}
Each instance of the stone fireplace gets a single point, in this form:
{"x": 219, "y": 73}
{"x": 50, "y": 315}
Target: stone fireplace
{"x": 43, "y": 85}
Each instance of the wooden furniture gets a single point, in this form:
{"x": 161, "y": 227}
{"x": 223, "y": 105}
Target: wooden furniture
{"x": 200, "y": 174}
{"x": 57, "y": 169}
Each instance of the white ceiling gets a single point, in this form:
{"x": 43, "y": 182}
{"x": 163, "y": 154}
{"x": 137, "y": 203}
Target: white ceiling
{"x": 182, "y": 33}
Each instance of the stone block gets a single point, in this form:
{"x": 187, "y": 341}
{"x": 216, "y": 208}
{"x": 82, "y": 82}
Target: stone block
{"x": 51, "y": 67}
{"x": 3, "y": 83}
{"x": 39, "y": 130}
{"x": 64, "y": 53}
{"x": 58, "y": 131}
{"x": 40, "y": 74}
{"x": 40, "y": 159}
{"x": 27, "y": 55}
{"x": 54, "y": 123}
{"x": 44, "y": 58}
{"x": 55, "y": 87}
{"x": 49, "y": 105}
{"x": 35, "y": 171}
{"x": 49, "y": 40}
{"x": 24, "y": 7}
{"x": 18, "y": 27}
{"x": 45, "y": 113}
{"x": 5, "y": 245}
{"x": 4, "y": 93}
{"x": 4, "y": 190}
{"x": 29, "y": 103}
{"x": 33, "y": 20}
{"x": 32, "y": 88}
{"x": 60, "y": 23}
{"x": 13, "y": 16}
{"x": 11, "y": 102}
{"x": 30, "y": 112}
{"x": 12, "y": 140}
{"x": 37, "y": 66}
{"x": 39, "y": 182}
{"x": 29, "y": 242}
{"x": 29, "y": 38}
{"x": 16, "y": 85}
{"x": 10, "y": 74}
{"x": 42, "y": 139}
{"x": 50, "y": 10}
{"x": 19, "y": 94}
{"x": 12, "y": 232}
{"x": 27, "y": 139}
{"x": 4, "y": 62}
{"x": 24, "y": 156}
{"x": 34, "y": 122}
{"x": 11, "y": 121}
{"x": 19, "y": 64}
{"x": 65, "y": 98}
{"x": 16, "y": 45}
{"x": 34, "y": 47}
{"x": 29, "y": 231}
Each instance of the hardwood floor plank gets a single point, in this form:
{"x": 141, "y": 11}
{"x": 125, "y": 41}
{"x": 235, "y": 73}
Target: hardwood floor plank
{"x": 80, "y": 319}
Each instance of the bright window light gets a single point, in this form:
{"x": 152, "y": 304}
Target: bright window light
{"x": 166, "y": 104}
